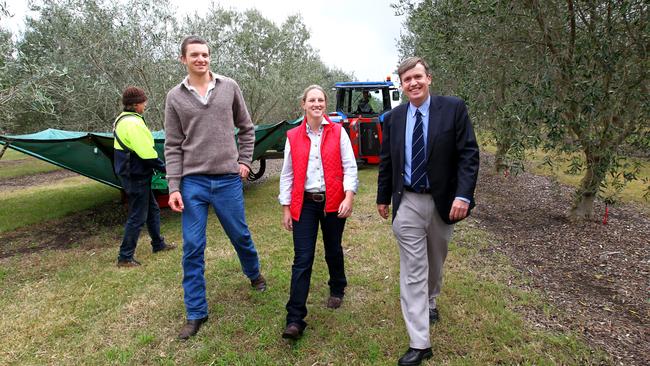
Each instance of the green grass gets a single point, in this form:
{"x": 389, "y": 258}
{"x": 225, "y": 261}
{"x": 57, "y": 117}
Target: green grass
{"x": 16, "y": 164}
{"x": 36, "y": 204}
{"x": 632, "y": 192}
{"x": 11, "y": 154}
{"x": 75, "y": 306}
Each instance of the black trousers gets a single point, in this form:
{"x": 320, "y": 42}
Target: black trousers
{"x": 305, "y": 233}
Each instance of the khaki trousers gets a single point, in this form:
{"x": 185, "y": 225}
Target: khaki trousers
{"x": 423, "y": 240}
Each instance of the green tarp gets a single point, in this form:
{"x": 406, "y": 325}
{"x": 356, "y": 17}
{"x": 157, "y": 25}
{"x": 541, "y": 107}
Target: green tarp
{"x": 91, "y": 153}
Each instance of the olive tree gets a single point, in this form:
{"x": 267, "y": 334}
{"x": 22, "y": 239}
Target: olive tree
{"x": 595, "y": 83}
{"x": 474, "y": 53}
{"x": 564, "y": 76}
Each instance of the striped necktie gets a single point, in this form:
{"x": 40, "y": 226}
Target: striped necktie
{"x": 418, "y": 156}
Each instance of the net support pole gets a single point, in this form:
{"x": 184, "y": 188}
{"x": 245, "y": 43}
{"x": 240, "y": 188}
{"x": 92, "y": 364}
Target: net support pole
{"x": 4, "y": 148}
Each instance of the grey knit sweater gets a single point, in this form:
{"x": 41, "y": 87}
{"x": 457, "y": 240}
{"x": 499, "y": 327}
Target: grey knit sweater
{"x": 200, "y": 139}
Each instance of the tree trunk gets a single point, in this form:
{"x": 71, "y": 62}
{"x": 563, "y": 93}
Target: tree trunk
{"x": 583, "y": 204}
{"x": 500, "y": 161}
{"x": 583, "y": 207}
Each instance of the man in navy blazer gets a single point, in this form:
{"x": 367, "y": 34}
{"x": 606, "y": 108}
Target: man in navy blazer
{"x": 426, "y": 203}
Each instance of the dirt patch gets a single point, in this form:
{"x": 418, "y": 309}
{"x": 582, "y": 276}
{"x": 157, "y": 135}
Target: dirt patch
{"x": 596, "y": 275}
{"x": 71, "y": 231}
{"x": 7, "y": 163}
{"x": 10, "y": 184}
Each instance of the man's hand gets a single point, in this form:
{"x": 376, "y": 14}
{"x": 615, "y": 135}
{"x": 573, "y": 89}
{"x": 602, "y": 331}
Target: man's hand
{"x": 243, "y": 171}
{"x": 458, "y": 210}
{"x": 287, "y": 222}
{"x": 383, "y": 211}
{"x": 176, "y": 201}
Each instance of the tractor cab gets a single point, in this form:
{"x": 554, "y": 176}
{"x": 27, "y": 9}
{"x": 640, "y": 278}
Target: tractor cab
{"x": 365, "y": 99}
{"x": 360, "y": 107}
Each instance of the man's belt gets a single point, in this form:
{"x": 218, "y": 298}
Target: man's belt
{"x": 423, "y": 190}
{"x": 315, "y": 196}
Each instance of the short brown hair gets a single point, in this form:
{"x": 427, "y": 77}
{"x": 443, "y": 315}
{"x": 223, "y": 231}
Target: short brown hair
{"x": 410, "y": 63}
{"x": 192, "y": 40}
{"x": 312, "y": 87}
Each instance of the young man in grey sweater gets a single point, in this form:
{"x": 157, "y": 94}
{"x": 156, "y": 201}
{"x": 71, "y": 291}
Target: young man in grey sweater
{"x": 205, "y": 167}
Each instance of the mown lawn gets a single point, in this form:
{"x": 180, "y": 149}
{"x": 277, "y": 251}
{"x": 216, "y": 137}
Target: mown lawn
{"x": 75, "y": 306}
{"x": 39, "y": 203}
{"x": 16, "y": 164}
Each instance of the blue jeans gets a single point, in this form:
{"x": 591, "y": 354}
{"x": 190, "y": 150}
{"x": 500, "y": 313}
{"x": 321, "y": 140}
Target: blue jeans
{"x": 305, "y": 232}
{"x": 143, "y": 208}
{"x": 225, "y": 194}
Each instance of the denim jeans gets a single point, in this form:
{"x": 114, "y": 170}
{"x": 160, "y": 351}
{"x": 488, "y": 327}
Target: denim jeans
{"x": 143, "y": 208}
{"x": 225, "y": 194}
{"x": 305, "y": 232}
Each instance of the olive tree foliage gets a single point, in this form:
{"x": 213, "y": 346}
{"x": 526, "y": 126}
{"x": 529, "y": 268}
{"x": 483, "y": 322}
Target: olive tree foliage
{"x": 76, "y": 56}
{"x": 565, "y": 76}
{"x": 68, "y": 69}
{"x": 271, "y": 63}
{"x": 8, "y": 92}
{"x": 473, "y": 54}
{"x": 597, "y": 85}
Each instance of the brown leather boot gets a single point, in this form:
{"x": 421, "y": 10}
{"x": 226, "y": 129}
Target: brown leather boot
{"x": 259, "y": 283}
{"x": 334, "y": 302}
{"x": 191, "y": 328}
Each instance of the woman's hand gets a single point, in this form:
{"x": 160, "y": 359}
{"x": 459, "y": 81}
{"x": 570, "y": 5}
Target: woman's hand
{"x": 287, "y": 222}
{"x": 345, "y": 208}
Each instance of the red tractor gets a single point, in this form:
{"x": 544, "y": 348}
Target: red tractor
{"x": 360, "y": 107}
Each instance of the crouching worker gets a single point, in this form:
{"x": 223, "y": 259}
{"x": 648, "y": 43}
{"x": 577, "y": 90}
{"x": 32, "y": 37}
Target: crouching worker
{"x": 135, "y": 162}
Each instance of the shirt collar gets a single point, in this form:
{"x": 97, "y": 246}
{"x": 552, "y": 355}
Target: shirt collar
{"x": 323, "y": 123}
{"x": 424, "y": 108}
{"x": 213, "y": 81}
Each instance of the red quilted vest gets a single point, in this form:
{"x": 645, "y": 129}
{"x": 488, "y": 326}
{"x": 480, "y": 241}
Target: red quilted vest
{"x": 332, "y": 166}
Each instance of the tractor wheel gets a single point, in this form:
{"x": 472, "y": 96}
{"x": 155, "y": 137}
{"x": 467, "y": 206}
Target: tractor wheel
{"x": 253, "y": 175}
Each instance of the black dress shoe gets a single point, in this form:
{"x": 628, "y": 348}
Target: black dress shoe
{"x": 414, "y": 357}
{"x": 292, "y": 331}
{"x": 434, "y": 316}
{"x": 191, "y": 328}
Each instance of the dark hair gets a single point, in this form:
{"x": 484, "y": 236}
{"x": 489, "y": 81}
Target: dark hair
{"x": 192, "y": 40}
{"x": 132, "y": 95}
{"x": 410, "y": 63}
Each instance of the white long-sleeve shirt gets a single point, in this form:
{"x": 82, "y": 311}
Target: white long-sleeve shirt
{"x": 315, "y": 179}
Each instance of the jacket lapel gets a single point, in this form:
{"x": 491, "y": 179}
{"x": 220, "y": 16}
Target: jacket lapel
{"x": 434, "y": 124}
{"x": 399, "y": 130}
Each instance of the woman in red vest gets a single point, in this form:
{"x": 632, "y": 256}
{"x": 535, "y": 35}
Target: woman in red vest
{"x": 317, "y": 185}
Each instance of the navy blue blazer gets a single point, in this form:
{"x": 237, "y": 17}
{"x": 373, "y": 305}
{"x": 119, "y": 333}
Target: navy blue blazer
{"x": 452, "y": 155}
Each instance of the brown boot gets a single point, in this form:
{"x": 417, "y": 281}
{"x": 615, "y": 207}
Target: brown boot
{"x": 165, "y": 248}
{"x": 191, "y": 328}
{"x": 334, "y": 302}
{"x": 292, "y": 331}
{"x": 259, "y": 283}
{"x": 128, "y": 263}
